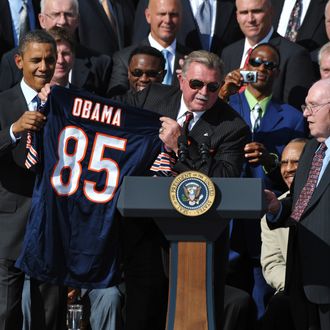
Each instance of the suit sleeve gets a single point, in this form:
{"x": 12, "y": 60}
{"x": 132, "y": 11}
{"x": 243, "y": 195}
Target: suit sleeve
{"x": 299, "y": 77}
{"x": 9, "y": 73}
{"x": 119, "y": 80}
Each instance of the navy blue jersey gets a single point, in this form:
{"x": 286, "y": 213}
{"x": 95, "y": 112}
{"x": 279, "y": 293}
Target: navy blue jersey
{"x": 88, "y": 145}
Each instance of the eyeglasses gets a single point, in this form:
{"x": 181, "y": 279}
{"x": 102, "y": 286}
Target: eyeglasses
{"x": 313, "y": 108}
{"x": 67, "y": 16}
{"x": 257, "y": 61}
{"x": 198, "y": 84}
{"x": 149, "y": 73}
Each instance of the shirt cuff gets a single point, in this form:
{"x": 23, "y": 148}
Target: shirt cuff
{"x": 14, "y": 139}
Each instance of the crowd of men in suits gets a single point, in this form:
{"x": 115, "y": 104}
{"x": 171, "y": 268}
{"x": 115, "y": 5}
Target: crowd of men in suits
{"x": 165, "y": 56}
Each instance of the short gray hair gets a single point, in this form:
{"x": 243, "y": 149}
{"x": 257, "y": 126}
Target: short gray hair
{"x": 325, "y": 49}
{"x": 74, "y": 2}
{"x": 210, "y": 60}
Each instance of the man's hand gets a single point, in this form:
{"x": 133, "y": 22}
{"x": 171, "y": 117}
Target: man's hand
{"x": 273, "y": 204}
{"x": 257, "y": 154}
{"x": 29, "y": 121}
{"x": 232, "y": 84}
{"x": 169, "y": 133}
{"x": 43, "y": 94}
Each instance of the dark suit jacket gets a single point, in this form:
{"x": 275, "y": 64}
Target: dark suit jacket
{"x": 6, "y": 26}
{"x": 226, "y": 29}
{"x": 16, "y": 182}
{"x": 296, "y": 69}
{"x": 311, "y": 34}
{"x": 280, "y": 124}
{"x": 119, "y": 83}
{"x": 95, "y": 30}
{"x": 312, "y": 233}
{"x": 227, "y": 130}
{"x": 91, "y": 71}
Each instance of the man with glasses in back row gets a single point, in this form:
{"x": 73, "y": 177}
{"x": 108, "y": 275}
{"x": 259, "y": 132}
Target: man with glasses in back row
{"x": 273, "y": 125}
{"x": 306, "y": 211}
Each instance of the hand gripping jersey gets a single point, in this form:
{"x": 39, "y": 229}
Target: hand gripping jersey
{"x": 88, "y": 145}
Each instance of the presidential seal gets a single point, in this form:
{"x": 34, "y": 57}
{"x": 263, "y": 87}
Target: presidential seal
{"x": 192, "y": 193}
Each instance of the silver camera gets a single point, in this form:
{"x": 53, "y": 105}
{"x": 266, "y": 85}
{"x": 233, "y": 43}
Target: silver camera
{"x": 249, "y": 76}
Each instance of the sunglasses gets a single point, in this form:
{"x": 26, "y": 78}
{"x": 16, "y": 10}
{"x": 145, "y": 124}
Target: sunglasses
{"x": 149, "y": 73}
{"x": 198, "y": 84}
{"x": 256, "y": 62}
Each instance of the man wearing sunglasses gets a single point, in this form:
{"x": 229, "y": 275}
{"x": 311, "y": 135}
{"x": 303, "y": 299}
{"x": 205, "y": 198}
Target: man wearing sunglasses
{"x": 198, "y": 94}
{"x": 164, "y": 18}
{"x": 296, "y": 69}
{"x": 306, "y": 212}
{"x": 273, "y": 125}
{"x": 145, "y": 65}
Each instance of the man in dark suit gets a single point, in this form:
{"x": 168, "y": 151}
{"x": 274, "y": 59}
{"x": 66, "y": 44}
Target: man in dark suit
{"x": 8, "y": 38}
{"x": 306, "y": 211}
{"x": 273, "y": 125}
{"x": 296, "y": 70}
{"x": 311, "y": 33}
{"x": 95, "y": 30}
{"x": 37, "y": 59}
{"x": 199, "y": 85}
{"x": 225, "y": 31}
{"x": 91, "y": 70}
{"x": 162, "y": 36}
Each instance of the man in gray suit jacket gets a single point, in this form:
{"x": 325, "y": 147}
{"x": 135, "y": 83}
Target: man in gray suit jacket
{"x": 307, "y": 211}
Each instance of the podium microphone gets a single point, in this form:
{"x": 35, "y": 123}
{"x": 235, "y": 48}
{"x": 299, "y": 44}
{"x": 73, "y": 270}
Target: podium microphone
{"x": 183, "y": 148}
{"x": 204, "y": 148}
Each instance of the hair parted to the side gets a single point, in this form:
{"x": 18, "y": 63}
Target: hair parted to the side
{"x": 36, "y": 36}
{"x": 61, "y": 34}
{"x": 210, "y": 60}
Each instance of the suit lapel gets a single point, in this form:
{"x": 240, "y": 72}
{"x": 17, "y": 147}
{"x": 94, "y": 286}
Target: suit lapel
{"x": 314, "y": 17}
{"x": 271, "y": 118}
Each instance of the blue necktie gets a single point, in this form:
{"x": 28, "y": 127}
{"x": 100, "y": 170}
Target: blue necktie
{"x": 168, "y": 77}
{"x": 203, "y": 18}
{"x": 24, "y": 23}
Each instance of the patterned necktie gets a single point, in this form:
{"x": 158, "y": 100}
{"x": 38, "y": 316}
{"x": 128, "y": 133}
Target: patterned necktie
{"x": 24, "y": 23}
{"x": 246, "y": 62}
{"x": 308, "y": 189}
{"x": 168, "y": 77}
{"x": 258, "y": 115}
{"x": 203, "y": 19}
{"x": 189, "y": 116}
{"x": 294, "y": 21}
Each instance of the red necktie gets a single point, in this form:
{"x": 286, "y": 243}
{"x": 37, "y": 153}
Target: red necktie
{"x": 185, "y": 126}
{"x": 310, "y": 184}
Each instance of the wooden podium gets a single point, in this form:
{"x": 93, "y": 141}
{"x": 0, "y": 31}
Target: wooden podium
{"x": 191, "y": 297}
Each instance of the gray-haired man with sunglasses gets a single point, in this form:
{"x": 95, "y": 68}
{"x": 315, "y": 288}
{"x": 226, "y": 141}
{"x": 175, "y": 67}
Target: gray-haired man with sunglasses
{"x": 273, "y": 125}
